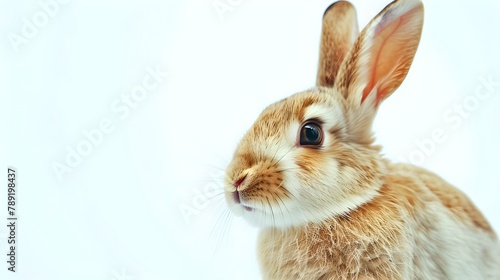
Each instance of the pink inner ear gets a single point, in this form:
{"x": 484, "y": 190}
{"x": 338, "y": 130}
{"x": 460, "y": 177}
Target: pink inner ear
{"x": 392, "y": 51}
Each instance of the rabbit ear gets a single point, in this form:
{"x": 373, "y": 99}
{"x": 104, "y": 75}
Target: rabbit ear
{"x": 339, "y": 31}
{"x": 381, "y": 56}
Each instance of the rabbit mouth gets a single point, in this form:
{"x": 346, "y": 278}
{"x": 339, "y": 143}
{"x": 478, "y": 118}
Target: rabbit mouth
{"x": 238, "y": 200}
{"x": 236, "y": 197}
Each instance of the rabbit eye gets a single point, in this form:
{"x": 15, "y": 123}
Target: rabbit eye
{"x": 311, "y": 134}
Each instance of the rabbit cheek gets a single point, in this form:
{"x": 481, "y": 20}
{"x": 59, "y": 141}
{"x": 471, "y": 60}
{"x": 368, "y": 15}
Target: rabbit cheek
{"x": 309, "y": 162}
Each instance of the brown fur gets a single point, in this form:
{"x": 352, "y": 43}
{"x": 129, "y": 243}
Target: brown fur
{"x": 452, "y": 198}
{"x": 370, "y": 242}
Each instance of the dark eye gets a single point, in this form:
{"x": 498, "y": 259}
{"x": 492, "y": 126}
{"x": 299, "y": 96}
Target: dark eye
{"x": 311, "y": 134}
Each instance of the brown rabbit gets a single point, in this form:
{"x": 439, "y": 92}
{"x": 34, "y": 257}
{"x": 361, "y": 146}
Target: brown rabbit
{"x": 329, "y": 205}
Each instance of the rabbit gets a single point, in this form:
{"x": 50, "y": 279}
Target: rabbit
{"x": 328, "y": 204}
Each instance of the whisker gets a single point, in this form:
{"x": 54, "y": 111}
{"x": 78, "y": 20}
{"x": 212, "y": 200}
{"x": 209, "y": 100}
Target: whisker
{"x": 278, "y": 200}
{"x": 272, "y": 211}
{"x": 289, "y": 150}
{"x": 287, "y": 169}
{"x": 221, "y": 228}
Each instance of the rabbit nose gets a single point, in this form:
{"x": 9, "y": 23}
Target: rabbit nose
{"x": 240, "y": 181}
{"x": 236, "y": 193}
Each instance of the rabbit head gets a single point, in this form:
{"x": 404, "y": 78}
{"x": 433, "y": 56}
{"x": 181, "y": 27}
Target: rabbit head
{"x": 311, "y": 156}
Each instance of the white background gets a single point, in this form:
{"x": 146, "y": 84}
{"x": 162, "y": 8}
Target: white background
{"x": 136, "y": 206}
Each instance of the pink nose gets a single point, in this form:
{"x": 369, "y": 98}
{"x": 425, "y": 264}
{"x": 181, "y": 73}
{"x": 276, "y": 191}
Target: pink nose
{"x": 240, "y": 181}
